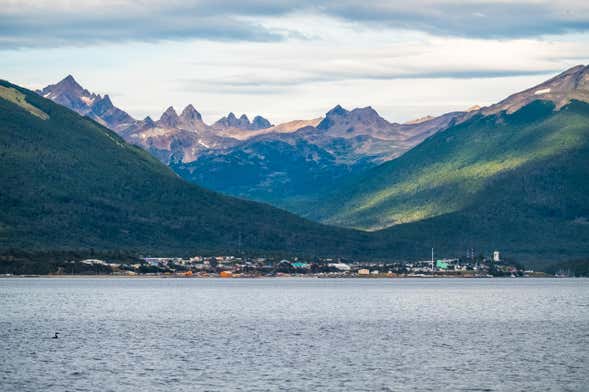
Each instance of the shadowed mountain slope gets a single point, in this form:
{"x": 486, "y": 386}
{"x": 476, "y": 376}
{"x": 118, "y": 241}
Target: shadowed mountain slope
{"x": 516, "y": 182}
{"x": 452, "y": 170}
{"x": 287, "y": 165}
{"x": 69, "y": 183}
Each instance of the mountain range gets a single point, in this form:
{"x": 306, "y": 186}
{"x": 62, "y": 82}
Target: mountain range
{"x": 285, "y": 165}
{"x": 510, "y": 176}
{"x": 452, "y": 169}
{"x": 70, "y": 183}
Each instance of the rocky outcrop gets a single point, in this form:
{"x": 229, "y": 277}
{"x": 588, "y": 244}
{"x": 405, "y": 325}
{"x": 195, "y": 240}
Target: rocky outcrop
{"x": 72, "y": 95}
{"x": 243, "y": 123}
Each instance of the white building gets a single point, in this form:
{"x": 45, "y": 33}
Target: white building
{"x": 496, "y": 256}
{"x": 340, "y": 266}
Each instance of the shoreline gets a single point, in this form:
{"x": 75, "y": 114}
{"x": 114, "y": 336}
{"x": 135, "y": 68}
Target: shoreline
{"x": 544, "y": 276}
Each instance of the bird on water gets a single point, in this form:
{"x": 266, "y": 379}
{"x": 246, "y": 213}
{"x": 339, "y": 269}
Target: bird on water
{"x": 56, "y": 335}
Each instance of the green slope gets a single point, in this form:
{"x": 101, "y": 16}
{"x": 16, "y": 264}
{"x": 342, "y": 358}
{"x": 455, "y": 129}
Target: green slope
{"x": 518, "y": 182}
{"x": 68, "y": 183}
{"x": 450, "y": 171}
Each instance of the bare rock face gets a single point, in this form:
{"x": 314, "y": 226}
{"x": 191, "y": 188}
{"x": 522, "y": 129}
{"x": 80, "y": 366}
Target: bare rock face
{"x": 297, "y": 156}
{"x": 243, "y": 123}
{"x": 148, "y": 121}
{"x": 168, "y": 119}
{"x": 260, "y": 122}
{"x": 102, "y": 106}
{"x": 368, "y": 136}
{"x": 253, "y": 158}
{"x": 190, "y": 118}
{"x": 360, "y": 121}
{"x": 176, "y": 138}
{"x": 229, "y": 121}
{"x": 289, "y": 164}
{"x": 572, "y": 84}
{"x": 70, "y": 94}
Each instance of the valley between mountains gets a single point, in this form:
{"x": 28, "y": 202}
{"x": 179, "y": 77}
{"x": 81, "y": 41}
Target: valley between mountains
{"x": 285, "y": 165}
{"x": 511, "y": 176}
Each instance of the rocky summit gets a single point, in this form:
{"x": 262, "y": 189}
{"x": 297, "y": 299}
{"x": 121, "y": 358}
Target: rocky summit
{"x": 72, "y": 95}
{"x": 243, "y": 123}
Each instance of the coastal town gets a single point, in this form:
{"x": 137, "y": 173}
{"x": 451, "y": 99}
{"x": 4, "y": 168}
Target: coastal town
{"x": 255, "y": 267}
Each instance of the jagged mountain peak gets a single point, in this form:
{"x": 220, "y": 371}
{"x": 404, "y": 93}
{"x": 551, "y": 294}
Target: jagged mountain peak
{"x": 243, "y": 122}
{"x": 191, "y": 119}
{"x": 260, "y": 122}
{"x": 341, "y": 116}
{"x": 169, "y": 118}
{"x": 170, "y": 112}
{"x": 69, "y": 79}
{"x": 353, "y": 122}
{"x": 337, "y": 110}
{"x": 229, "y": 121}
{"x": 68, "y": 90}
{"x": 69, "y": 93}
{"x": 366, "y": 112}
{"x": 103, "y": 101}
{"x": 101, "y": 105}
{"x": 190, "y": 113}
{"x": 69, "y": 82}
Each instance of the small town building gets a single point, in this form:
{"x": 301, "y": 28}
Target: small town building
{"x": 441, "y": 265}
{"x": 339, "y": 266}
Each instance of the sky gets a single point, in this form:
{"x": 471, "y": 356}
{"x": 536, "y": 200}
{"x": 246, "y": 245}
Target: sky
{"x": 289, "y": 60}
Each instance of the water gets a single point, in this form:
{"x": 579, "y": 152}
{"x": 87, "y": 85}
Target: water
{"x": 294, "y": 335}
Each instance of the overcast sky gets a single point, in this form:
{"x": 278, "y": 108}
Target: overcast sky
{"x": 296, "y": 59}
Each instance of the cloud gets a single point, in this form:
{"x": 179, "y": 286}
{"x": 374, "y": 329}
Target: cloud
{"x": 43, "y": 23}
{"x": 80, "y": 26}
{"x": 229, "y": 56}
{"x": 472, "y": 18}
{"x": 273, "y": 68}
{"x": 248, "y": 85}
